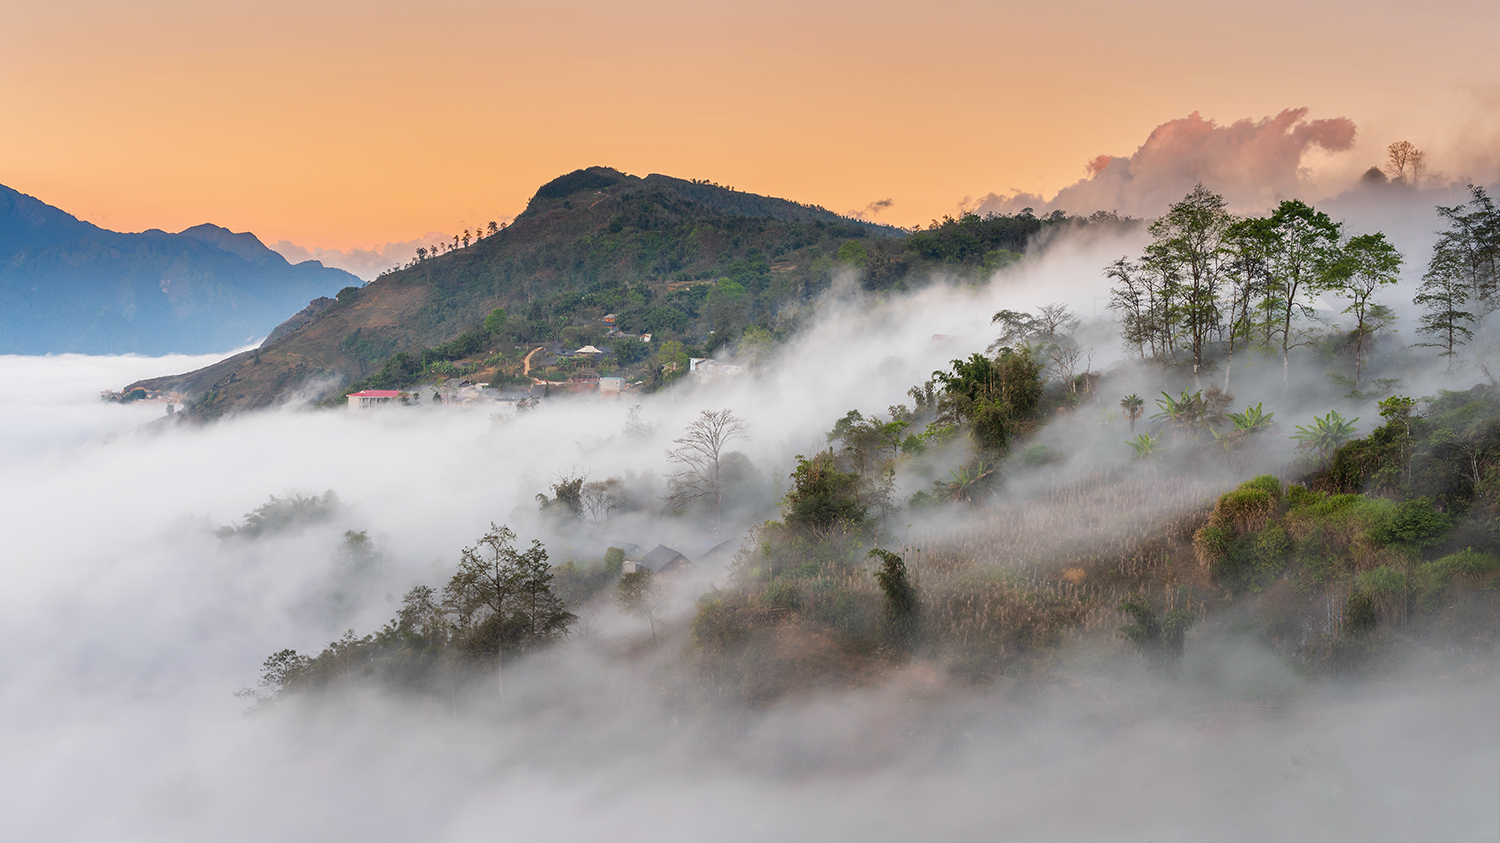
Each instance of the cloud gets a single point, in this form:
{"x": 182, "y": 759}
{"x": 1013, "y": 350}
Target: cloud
{"x": 1254, "y": 163}
{"x": 366, "y": 263}
{"x": 128, "y": 638}
{"x": 872, "y": 210}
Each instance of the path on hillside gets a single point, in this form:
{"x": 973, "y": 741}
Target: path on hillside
{"x": 527, "y": 362}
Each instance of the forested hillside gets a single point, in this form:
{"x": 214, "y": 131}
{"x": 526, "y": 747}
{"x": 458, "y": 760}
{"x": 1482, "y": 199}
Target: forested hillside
{"x": 693, "y": 264}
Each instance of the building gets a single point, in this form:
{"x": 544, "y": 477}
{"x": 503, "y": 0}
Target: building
{"x": 661, "y": 560}
{"x": 708, "y": 369}
{"x": 368, "y": 398}
{"x": 611, "y": 386}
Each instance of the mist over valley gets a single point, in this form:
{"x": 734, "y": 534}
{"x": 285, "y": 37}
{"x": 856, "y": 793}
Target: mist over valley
{"x": 673, "y": 511}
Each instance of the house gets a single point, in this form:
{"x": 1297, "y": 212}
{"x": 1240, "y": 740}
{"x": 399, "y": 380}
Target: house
{"x": 590, "y": 351}
{"x": 611, "y": 386}
{"x": 368, "y": 398}
{"x": 661, "y": 560}
{"x": 721, "y": 554}
{"x": 706, "y": 368}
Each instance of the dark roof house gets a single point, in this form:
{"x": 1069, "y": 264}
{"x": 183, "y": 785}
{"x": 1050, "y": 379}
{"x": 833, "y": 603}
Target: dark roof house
{"x": 664, "y": 560}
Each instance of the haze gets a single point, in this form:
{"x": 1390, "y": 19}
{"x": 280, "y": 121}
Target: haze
{"x": 131, "y": 626}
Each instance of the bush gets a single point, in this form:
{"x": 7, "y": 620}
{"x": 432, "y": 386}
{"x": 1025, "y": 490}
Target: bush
{"x": 1416, "y": 523}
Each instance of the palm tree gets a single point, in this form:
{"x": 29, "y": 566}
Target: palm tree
{"x": 1133, "y": 405}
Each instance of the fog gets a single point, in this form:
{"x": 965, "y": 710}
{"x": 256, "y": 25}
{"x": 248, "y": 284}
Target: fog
{"x": 130, "y": 625}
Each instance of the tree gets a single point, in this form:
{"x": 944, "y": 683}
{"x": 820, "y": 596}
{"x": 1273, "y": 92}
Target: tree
{"x": 1247, "y": 269}
{"x": 1443, "y": 296}
{"x": 1133, "y": 405}
{"x": 601, "y": 499}
{"x": 1368, "y": 262}
{"x": 1054, "y": 321}
{"x": 823, "y": 498}
{"x": 1470, "y": 247}
{"x": 637, "y": 593}
{"x": 567, "y": 499}
{"x": 1305, "y": 254}
{"x": 1132, "y": 296}
{"x": 699, "y": 456}
{"x": 1159, "y": 639}
{"x": 902, "y": 611}
{"x": 1188, "y": 248}
{"x": 496, "y": 321}
{"x": 1404, "y": 162}
{"x": 501, "y": 599}
{"x": 997, "y": 398}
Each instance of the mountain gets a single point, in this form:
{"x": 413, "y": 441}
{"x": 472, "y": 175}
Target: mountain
{"x": 687, "y": 261}
{"x": 69, "y": 286}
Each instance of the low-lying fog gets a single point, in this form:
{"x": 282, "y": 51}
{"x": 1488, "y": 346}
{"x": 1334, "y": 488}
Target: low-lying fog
{"x": 128, "y": 626}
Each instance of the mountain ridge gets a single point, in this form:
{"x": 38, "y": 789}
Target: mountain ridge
{"x": 70, "y": 286}
{"x": 692, "y": 263}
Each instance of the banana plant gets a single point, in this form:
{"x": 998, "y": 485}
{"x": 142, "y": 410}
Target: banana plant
{"x": 966, "y": 480}
{"x": 1325, "y": 435}
{"x": 1144, "y": 445}
{"x": 1253, "y": 420}
{"x": 1183, "y": 414}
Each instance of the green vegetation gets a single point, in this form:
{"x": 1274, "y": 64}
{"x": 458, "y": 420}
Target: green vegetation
{"x": 696, "y": 265}
{"x": 500, "y": 603}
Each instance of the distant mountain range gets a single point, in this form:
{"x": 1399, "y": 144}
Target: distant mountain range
{"x": 70, "y": 286}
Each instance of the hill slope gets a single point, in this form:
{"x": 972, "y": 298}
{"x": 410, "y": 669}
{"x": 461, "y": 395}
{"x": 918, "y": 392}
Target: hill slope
{"x": 683, "y": 260}
{"x": 69, "y": 286}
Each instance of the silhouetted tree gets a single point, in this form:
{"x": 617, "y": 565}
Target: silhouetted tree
{"x": 1367, "y": 263}
{"x": 699, "y": 456}
{"x": 501, "y": 599}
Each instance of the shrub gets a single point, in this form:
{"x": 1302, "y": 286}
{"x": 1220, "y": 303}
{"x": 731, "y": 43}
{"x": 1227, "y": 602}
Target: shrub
{"x": 1159, "y": 639}
{"x": 1415, "y": 522}
{"x": 1465, "y": 563}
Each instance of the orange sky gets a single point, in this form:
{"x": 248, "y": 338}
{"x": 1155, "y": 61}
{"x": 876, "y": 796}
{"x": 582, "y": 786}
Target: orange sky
{"x": 344, "y": 124}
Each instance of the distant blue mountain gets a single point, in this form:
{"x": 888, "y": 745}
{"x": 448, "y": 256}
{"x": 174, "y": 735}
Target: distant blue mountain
{"x": 69, "y": 286}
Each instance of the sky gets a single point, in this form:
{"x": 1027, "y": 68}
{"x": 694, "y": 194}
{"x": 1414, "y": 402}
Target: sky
{"x": 343, "y": 126}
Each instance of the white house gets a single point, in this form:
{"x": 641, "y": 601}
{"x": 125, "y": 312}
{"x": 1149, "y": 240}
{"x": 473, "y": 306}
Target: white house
{"x": 368, "y": 398}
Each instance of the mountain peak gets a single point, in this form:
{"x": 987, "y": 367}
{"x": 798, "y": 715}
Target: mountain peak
{"x": 243, "y": 244}
{"x": 26, "y": 221}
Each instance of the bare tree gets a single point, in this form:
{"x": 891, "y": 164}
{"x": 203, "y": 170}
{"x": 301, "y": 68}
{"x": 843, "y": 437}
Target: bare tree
{"x": 1064, "y": 355}
{"x": 603, "y": 498}
{"x": 1404, "y": 162}
{"x": 698, "y": 455}
{"x": 1055, "y": 321}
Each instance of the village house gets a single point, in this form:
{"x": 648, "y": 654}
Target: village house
{"x": 661, "y": 560}
{"x": 365, "y": 399}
